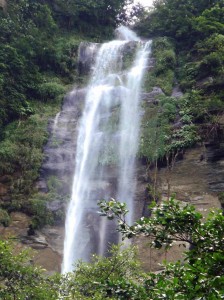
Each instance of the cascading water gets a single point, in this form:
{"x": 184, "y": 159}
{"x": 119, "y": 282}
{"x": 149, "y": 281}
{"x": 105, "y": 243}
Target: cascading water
{"x": 106, "y": 147}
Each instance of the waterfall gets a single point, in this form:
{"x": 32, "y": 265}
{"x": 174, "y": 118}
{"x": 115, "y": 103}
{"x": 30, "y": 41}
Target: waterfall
{"x": 106, "y": 147}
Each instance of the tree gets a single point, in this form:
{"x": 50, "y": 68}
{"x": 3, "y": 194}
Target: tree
{"x": 118, "y": 276}
{"x": 179, "y": 19}
{"x": 87, "y": 14}
{"x": 210, "y": 21}
{"x": 201, "y": 275}
{"x": 26, "y": 32}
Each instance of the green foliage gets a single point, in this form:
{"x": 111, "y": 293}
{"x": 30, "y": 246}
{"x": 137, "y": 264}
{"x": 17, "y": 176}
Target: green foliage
{"x": 183, "y": 138}
{"x": 20, "y": 280}
{"x": 205, "y": 72}
{"x": 160, "y": 135}
{"x": 179, "y": 19}
{"x": 92, "y": 17}
{"x": 212, "y": 52}
{"x": 154, "y": 132}
{"x": 162, "y": 74}
{"x": 61, "y": 57}
{"x": 38, "y": 208}
{"x": 117, "y": 276}
{"x": 201, "y": 275}
{"x": 24, "y": 161}
{"x": 21, "y": 153}
{"x": 4, "y": 217}
{"x": 51, "y": 90}
{"x": 196, "y": 30}
{"x": 169, "y": 222}
{"x": 211, "y": 20}
{"x": 17, "y": 79}
{"x": 21, "y": 149}
{"x": 31, "y": 44}
{"x": 24, "y": 44}
{"x": 54, "y": 184}
{"x": 186, "y": 134}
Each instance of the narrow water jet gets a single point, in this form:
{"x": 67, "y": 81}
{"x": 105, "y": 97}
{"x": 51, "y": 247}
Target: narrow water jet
{"x": 106, "y": 147}
{"x": 55, "y": 124}
{"x": 129, "y": 129}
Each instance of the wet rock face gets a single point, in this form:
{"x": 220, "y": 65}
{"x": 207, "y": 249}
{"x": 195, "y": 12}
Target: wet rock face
{"x": 152, "y": 97}
{"x": 87, "y": 55}
{"x": 3, "y": 5}
{"x": 59, "y": 152}
{"x": 177, "y": 93}
{"x": 128, "y": 54}
{"x": 215, "y": 159}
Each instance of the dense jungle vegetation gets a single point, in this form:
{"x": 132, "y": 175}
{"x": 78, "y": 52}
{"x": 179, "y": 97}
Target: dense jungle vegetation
{"x": 190, "y": 52}
{"x": 38, "y": 64}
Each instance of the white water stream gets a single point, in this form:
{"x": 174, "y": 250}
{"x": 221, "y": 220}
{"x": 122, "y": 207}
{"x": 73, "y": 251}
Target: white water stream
{"x": 106, "y": 148}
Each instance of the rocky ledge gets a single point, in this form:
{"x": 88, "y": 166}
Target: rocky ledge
{"x": 46, "y": 245}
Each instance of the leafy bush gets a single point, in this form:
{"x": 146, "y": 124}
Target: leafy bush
{"x": 162, "y": 74}
{"x": 51, "y": 91}
{"x": 154, "y": 132}
{"x": 169, "y": 107}
{"x": 166, "y": 80}
{"x": 201, "y": 274}
{"x": 182, "y": 138}
{"x": 118, "y": 276}
{"x": 21, "y": 154}
{"x": 210, "y": 21}
{"x": 167, "y": 60}
{"x": 54, "y": 184}
{"x": 21, "y": 149}
{"x": 4, "y": 217}
{"x": 162, "y": 44}
{"x": 38, "y": 207}
{"x": 160, "y": 137}
{"x": 41, "y": 215}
